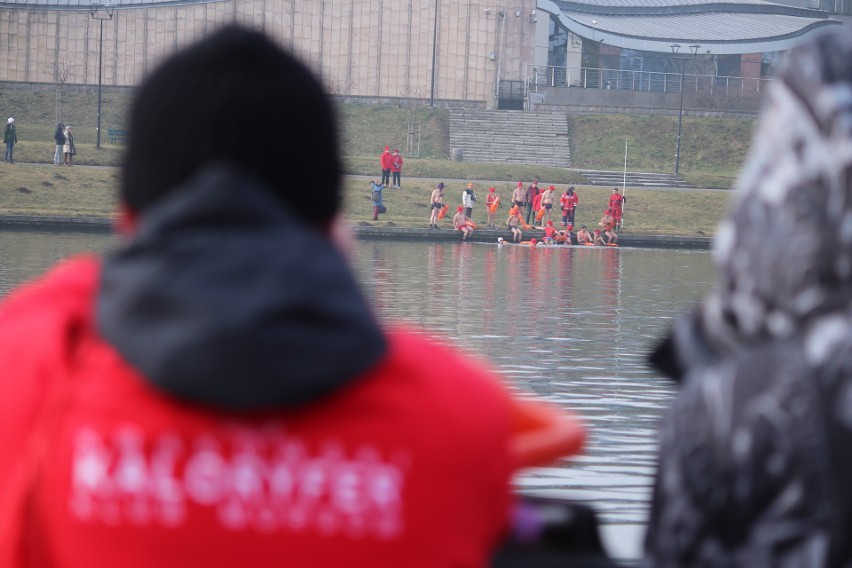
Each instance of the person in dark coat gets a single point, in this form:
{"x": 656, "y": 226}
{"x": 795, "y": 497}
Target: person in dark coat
{"x": 59, "y": 139}
{"x": 755, "y": 461}
{"x": 10, "y": 138}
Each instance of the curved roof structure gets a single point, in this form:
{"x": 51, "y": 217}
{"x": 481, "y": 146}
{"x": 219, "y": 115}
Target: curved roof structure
{"x": 718, "y": 26}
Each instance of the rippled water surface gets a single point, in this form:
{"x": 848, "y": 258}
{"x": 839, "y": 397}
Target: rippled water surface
{"x": 571, "y": 325}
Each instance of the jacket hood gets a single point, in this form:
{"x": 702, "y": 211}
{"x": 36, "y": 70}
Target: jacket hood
{"x": 226, "y": 298}
{"x": 784, "y": 251}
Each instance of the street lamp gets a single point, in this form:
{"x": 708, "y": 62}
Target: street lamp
{"x": 675, "y": 48}
{"x": 101, "y": 13}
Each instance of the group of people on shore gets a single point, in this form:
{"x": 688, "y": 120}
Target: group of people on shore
{"x": 539, "y": 206}
{"x": 63, "y": 137}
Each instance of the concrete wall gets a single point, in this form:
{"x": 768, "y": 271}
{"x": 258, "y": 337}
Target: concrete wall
{"x": 378, "y": 48}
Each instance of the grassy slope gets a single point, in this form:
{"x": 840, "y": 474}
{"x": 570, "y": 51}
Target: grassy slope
{"x": 712, "y": 151}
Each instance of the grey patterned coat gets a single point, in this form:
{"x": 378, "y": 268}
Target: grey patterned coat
{"x": 755, "y": 466}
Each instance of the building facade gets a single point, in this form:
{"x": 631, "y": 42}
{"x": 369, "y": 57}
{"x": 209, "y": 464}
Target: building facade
{"x": 370, "y": 48}
{"x": 483, "y": 52}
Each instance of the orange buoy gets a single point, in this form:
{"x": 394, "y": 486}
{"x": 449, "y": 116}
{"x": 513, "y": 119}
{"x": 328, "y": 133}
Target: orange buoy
{"x": 539, "y": 214}
{"x": 443, "y": 212}
{"x": 494, "y": 204}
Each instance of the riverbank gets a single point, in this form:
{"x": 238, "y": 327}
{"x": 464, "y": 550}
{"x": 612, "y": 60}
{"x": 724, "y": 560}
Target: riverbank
{"x": 105, "y": 225}
{"x": 90, "y": 192}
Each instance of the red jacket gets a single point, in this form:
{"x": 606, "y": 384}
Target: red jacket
{"x": 167, "y": 406}
{"x": 396, "y": 163}
{"x": 387, "y": 160}
{"x": 615, "y": 201}
{"x": 569, "y": 202}
{"x": 364, "y": 477}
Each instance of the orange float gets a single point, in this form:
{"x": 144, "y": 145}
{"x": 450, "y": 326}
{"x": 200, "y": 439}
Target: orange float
{"x": 494, "y": 204}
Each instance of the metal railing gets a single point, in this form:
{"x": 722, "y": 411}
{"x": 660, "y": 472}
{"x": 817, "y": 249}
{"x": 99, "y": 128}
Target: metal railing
{"x": 650, "y": 81}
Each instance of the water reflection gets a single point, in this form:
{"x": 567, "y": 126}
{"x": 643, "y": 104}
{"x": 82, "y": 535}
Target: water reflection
{"x": 571, "y": 325}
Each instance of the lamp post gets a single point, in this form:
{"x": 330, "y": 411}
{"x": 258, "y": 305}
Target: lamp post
{"x": 434, "y": 56}
{"x": 101, "y": 13}
{"x": 675, "y": 48}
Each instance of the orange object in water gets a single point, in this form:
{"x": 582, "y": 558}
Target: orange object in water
{"x": 539, "y": 214}
{"x": 443, "y": 212}
{"x": 542, "y": 433}
{"x": 612, "y": 244}
{"x": 588, "y": 244}
{"x": 493, "y": 207}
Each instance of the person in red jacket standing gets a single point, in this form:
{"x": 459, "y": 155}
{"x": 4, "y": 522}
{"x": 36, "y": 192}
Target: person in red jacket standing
{"x": 386, "y": 160}
{"x": 616, "y": 203}
{"x": 396, "y": 168}
{"x": 187, "y": 401}
{"x": 568, "y": 202}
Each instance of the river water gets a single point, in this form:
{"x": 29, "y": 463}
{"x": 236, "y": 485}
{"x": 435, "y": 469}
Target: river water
{"x": 570, "y": 325}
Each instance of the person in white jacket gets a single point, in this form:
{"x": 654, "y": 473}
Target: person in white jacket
{"x": 468, "y": 200}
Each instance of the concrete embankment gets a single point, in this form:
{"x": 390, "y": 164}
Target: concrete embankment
{"x": 100, "y": 224}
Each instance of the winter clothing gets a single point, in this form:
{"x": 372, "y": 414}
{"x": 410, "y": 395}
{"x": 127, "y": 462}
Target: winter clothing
{"x": 396, "y": 168}
{"x": 10, "y": 138}
{"x": 386, "y": 160}
{"x": 754, "y": 458}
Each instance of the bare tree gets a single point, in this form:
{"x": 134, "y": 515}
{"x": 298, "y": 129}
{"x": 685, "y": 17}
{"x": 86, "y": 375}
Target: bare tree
{"x": 341, "y": 88}
{"x": 415, "y": 98}
{"x": 61, "y": 69}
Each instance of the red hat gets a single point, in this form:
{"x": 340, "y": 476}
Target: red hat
{"x": 597, "y": 230}
{"x": 460, "y": 208}
{"x": 533, "y": 241}
{"x": 396, "y": 151}
{"x": 387, "y": 148}
{"x": 490, "y": 189}
{"x": 520, "y": 184}
{"x": 552, "y": 187}
{"x": 550, "y": 223}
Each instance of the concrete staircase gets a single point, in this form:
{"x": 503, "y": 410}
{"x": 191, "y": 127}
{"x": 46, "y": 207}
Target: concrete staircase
{"x": 634, "y": 179}
{"x": 513, "y": 136}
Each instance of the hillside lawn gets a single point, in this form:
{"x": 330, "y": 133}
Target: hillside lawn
{"x": 81, "y": 191}
{"x": 712, "y": 151}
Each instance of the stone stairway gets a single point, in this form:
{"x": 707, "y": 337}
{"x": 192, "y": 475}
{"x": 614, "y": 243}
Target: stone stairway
{"x": 513, "y": 136}
{"x": 634, "y": 179}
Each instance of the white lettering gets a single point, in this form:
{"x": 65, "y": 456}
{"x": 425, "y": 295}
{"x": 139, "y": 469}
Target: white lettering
{"x": 261, "y": 480}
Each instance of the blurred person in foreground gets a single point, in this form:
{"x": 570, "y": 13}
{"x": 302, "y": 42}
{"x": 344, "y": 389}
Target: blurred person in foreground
{"x": 217, "y": 392}
{"x": 755, "y": 461}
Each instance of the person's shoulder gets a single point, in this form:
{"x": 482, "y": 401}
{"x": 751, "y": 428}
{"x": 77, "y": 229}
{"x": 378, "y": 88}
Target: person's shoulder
{"x": 431, "y": 363}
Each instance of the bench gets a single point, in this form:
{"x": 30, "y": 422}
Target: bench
{"x": 116, "y": 135}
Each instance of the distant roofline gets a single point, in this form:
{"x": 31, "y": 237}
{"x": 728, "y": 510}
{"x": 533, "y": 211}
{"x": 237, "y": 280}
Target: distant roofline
{"x": 781, "y": 42}
{"x": 689, "y": 7}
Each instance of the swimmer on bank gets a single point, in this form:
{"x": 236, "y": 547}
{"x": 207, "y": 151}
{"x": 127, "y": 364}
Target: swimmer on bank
{"x": 583, "y": 236}
{"x": 598, "y": 239}
{"x": 461, "y": 223}
{"x": 513, "y": 222}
